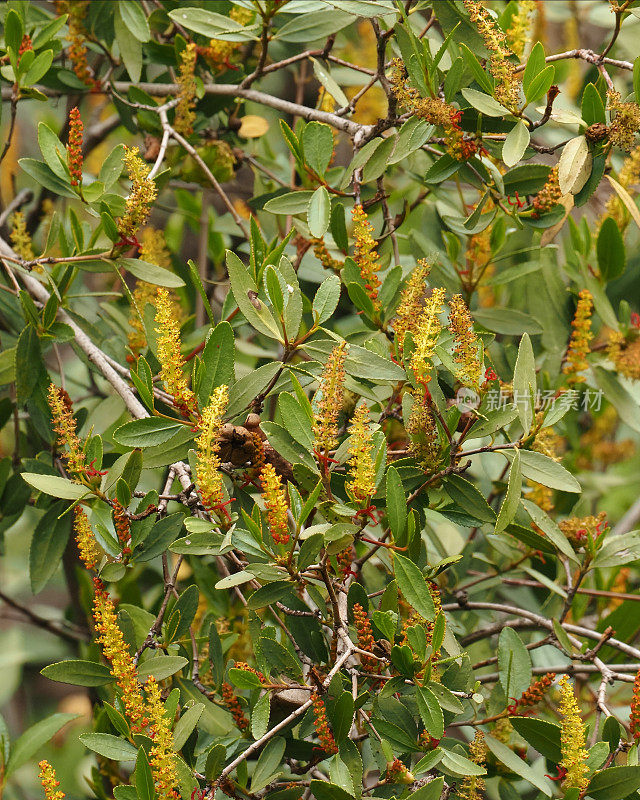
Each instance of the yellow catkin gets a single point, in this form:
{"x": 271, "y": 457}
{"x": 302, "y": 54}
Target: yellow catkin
{"x": 208, "y": 477}
{"x": 411, "y": 302}
{"x": 626, "y": 122}
{"x": 275, "y": 500}
{"x": 88, "y": 548}
{"x": 325, "y": 422}
{"x": 116, "y": 651}
{"x": 518, "y": 31}
{"x": 422, "y": 430}
{"x": 572, "y": 739}
{"x": 361, "y": 483}
{"x": 576, "y": 361}
{"x": 549, "y": 195}
{"x": 49, "y": 781}
{"x": 162, "y": 758}
{"x": 153, "y": 249}
{"x": 473, "y": 785}
{"x": 507, "y": 84}
{"x": 20, "y": 238}
{"x": 466, "y": 343}
{"x": 185, "y": 115}
{"x": 625, "y": 354}
{"x": 427, "y": 331}
{"x": 141, "y": 196}
{"x": 366, "y": 255}
{"x": 172, "y": 363}
{"x": 64, "y": 425}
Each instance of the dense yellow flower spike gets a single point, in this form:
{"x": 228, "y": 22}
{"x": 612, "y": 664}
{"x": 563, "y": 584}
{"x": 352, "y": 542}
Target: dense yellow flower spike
{"x": 88, "y": 548}
{"x": 423, "y": 433}
{"x": 361, "y": 484}
{"x": 572, "y": 739}
{"x": 411, "y": 301}
{"x": 185, "y": 115}
{"x": 65, "y": 426}
{"x": 466, "y": 343}
{"x": 426, "y": 334}
{"x": 141, "y": 196}
{"x": 49, "y": 781}
{"x": 549, "y": 195}
{"x": 366, "y": 255}
{"x": 473, "y": 785}
{"x": 208, "y": 478}
{"x": 325, "y": 423}
{"x": 116, "y": 651}
{"x": 20, "y": 238}
{"x": 582, "y": 334}
{"x": 153, "y": 249}
{"x": 170, "y": 356}
{"x": 625, "y": 354}
{"x": 518, "y": 32}
{"x": 275, "y": 500}
{"x": 501, "y": 68}
{"x": 161, "y": 755}
{"x": 625, "y": 124}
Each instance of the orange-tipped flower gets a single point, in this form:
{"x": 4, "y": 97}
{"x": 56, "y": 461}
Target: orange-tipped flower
{"x": 162, "y": 758}
{"x": 65, "y": 426}
{"x": 170, "y": 356}
{"x": 233, "y": 704}
{"x": 74, "y": 147}
{"x": 141, "y": 196}
{"x": 365, "y": 638}
{"x": 322, "y": 726}
{"x": 366, "y": 254}
{"x": 275, "y": 500}
{"x": 466, "y": 343}
{"x": 582, "y": 334}
{"x": 549, "y": 195}
{"x": 49, "y": 781}
{"x": 411, "y": 301}
{"x": 116, "y": 651}
{"x": 185, "y": 116}
{"x": 88, "y": 548}
{"x": 325, "y": 423}
{"x": 121, "y": 523}
{"x": 361, "y": 484}
{"x": 208, "y": 478}
{"x": 634, "y": 717}
{"x": 534, "y": 694}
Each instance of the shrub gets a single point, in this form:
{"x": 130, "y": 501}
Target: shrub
{"x": 320, "y": 367}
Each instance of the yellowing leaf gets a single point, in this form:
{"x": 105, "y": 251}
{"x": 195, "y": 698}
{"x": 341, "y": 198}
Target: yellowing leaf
{"x": 253, "y": 127}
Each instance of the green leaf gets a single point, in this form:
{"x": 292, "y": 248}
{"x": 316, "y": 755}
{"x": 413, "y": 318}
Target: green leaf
{"x": 112, "y": 747}
{"x": 217, "y": 361}
{"x": 146, "y": 432}
{"x": 505, "y": 755}
{"x": 377, "y": 164}
{"x": 245, "y": 293}
{"x": 321, "y": 71}
{"x": 512, "y": 497}
{"x": 44, "y": 176}
{"x": 295, "y": 420}
{"x": 289, "y": 203}
{"x": 312, "y": 27}
{"x": 541, "y": 83}
{"x": 282, "y": 441}
{"x": 549, "y": 528}
{"x": 459, "y": 764}
{"x": 326, "y": 299}
{"x": 545, "y": 470}
{"x": 614, "y": 783}
{"x": 279, "y": 658}
{"x": 48, "y": 544}
{"x": 535, "y": 65}
{"x": 542, "y": 735}
{"x": 161, "y": 667}
{"x": 317, "y": 144}
{"x": 134, "y": 18}
{"x": 260, "y": 716}
{"x": 53, "y": 151}
{"x": 111, "y": 168}
{"x": 212, "y": 25}
{"x": 396, "y": 503}
{"x": 39, "y": 68}
{"x": 507, "y": 321}
{"x": 515, "y": 144}
{"x": 430, "y": 712}
{"x": 610, "y": 248}
{"x": 325, "y": 790}
{"x": 164, "y": 532}
{"x": 592, "y": 109}
{"x": 484, "y": 103}
{"x": 185, "y": 725}
{"x": 413, "y": 586}
{"x": 129, "y": 46}
{"x": 150, "y": 273}
{"x": 78, "y": 673}
{"x": 57, "y": 487}
{"x": 623, "y": 402}
{"x": 524, "y": 383}
{"x": 269, "y": 764}
{"x": 144, "y": 777}
{"x": 430, "y": 791}
{"x": 482, "y": 79}
{"x": 27, "y": 745}
{"x": 465, "y": 495}
{"x": 318, "y": 213}
{"x": 514, "y": 663}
